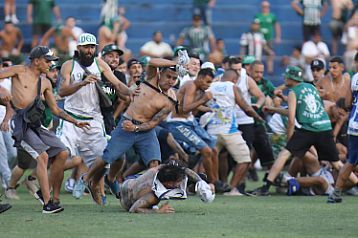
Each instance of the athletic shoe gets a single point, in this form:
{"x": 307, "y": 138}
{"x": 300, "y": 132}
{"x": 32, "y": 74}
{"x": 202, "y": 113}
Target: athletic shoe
{"x": 39, "y": 197}
{"x": 104, "y": 200}
{"x": 335, "y": 197}
{"x": 30, "y": 184}
{"x": 241, "y": 187}
{"x": 10, "y": 193}
{"x": 261, "y": 191}
{"x": 252, "y": 175}
{"x": 52, "y": 207}
{"x": 113, "y": 186}
{"x": 4, "y": 207}
{"x": 353, "y": 191}
{"x": 293, "y": 186}
{"x": 233, "y": 192}
{"x": 69, "y": 185}
{"x": 79, "y": 188}
{"x": 221, "y": 187}
{"x": 14, "y": 19}
{"x": 95, "y": 193}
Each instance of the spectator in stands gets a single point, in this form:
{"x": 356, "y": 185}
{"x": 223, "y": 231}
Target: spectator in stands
{"x": 122, "y": 24}
{"x": 198, "y": 36}
{"x": 351, "y": 41}
{"x": 313, "y": 49}
{"x": 311, "y": 11}
{"x": 11, "y": 43}
{"x": 217, "y": 56}
{"x": 253, "y": 43}
{"x": 39, "y": 14}
{"x": 340, "y": 13}
{"x": 203, "y": 8}
{"x": 10, "y": 11}
{"x": 268, "y": 23}
{"x": 156, "y": 47}
{"x": 109, "y": 10}
{"x": 76, "y": 31}
{"x": 295, "y": 59}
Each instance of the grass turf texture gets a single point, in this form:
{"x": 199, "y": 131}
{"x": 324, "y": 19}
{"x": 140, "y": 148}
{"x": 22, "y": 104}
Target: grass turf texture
{"x": 274, "y": 216}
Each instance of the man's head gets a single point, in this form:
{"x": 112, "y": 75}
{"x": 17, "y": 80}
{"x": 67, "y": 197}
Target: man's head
{"x": 52, "y": 73}
{"x": 135, "y": 69}
{"x": 8, "y": 26}
{"x": 316, "y": 37}
{"x": 265, "y": 7}
{"x": 230, "y": 75}
{"x": 293, "y": 76}
{"x": 70, "y": 22}
{"x": 246, "y": 63}
{"x": 339, "y": 109}
{"x": 194, "y": 65}
{"x": 204, "y": 79}
{"x": 86, "y": 46}
{"x": 111, "y": 55}
{"x": 171, "y": 176}
{"x": 157, "y": 37}
{"x": 257, "y": 70}
{"x": 167, "y": 78}
{"x": 196, "y": 20}
{"x": 41, "y": 58}
{"x": 122, "y": 66}
{"x": 336, "y": 67}
{"x": 255, "y": 26}
{"x": 220, "y": 44}
{"x": 235, "y": 63}
{"x": 317, "y": 68}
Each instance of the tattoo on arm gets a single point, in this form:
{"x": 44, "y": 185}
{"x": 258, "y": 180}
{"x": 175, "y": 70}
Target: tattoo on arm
{"x": 143, "y": 205}
{"x": 192, "y": 175}
{"x": 157, "y": 118}
{"x": 63, "y": 115}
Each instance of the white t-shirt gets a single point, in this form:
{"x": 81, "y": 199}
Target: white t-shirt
{"x": 5, "y": 83}
{"x": 158, "y": 50}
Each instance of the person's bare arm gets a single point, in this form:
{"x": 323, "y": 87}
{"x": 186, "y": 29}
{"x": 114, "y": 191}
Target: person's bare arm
{"x": 294, "y": 5}
{"x": 279, "y": 110}
{"x": 244, "y": 106}
{"x": 126, "y": 23}
{"x": 119, "y": 109}
{"x": 212, "y": 42}
{"x": 278, "y": 32}
{"x": 156, "y": 63}
{"x": 192, "y": 175}
{"x": 52, "y": 104}
{"x": 8, "y": 115}
{"x": 189, "y": 103}
{"x": 145, "y": 203}
{"x": 57, "y": 13}
{"x": 180, "y": 40}
{"x": 5, "y": 96}
{"x": 256, "y": 92}
{"x": 338, "y": 125}
{"x": 20, "y": 41}
{"x": 174, "y": 145}
{"x": 10, "y": 72}
{"x": 47, "y": 36}
{"x": 29, "y": 13}
{"x": 291, "y": 114}
{"x": 156, "y": 119}
{"x": 324, "y": 9}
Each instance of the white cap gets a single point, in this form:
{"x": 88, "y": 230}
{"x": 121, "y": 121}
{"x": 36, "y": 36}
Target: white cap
{"x": 87, "y": 39}
{"x": 208, "y": 65}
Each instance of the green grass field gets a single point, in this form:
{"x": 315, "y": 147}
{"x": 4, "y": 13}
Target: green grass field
{"x": 274, "y": 216}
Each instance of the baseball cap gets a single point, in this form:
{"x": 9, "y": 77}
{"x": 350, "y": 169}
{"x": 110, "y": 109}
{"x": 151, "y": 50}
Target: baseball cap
{"x": 86, "y": 39}
{"x": 317, "y": 64}
{"x": 42, "y": 51}
{"x": 294, "y": 73}
{"x": 132, "y": 61}
{"x": 110, "y": 48}
{"x": 55, "y": 66}
{"x": 208, "y": 65}
{"x": 249, "y": 59}
{"x": 176, "y": 50}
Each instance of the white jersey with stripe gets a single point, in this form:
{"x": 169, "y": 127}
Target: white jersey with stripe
{"x": 224, "y": 107}
{"x": 353, "y": 117}
{"x": 243, "y": 84}
{"x": 84, "y": 102}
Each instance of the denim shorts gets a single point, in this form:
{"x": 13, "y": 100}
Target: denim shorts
{"x": 191, "y": 133}
{"x": 353, "y": 150}
{"x": 145, "y": 144}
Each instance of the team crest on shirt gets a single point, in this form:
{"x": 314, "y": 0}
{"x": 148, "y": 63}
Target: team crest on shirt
{"x": 311, "y": 103}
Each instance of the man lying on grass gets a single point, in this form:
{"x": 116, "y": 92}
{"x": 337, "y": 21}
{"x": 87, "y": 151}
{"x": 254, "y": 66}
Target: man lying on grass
{"x": 168, "y": 181}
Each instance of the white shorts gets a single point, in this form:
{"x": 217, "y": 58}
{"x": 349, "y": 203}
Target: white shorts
{"x": 89, "y": 144}
{"x": 236, "y": 146}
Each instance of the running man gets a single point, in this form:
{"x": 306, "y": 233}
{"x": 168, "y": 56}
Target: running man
{"x": 28, "y": 131}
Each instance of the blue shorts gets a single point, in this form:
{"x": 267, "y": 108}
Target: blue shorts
{"x": 145, "y": 143}
{"x": 191, "y": 133}
{"x": 353, "y": 150}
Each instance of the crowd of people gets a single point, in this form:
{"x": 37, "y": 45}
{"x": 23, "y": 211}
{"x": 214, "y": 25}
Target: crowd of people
{"x": 180, "y": 121}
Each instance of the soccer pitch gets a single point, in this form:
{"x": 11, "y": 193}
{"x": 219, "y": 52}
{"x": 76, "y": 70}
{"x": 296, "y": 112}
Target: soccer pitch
{"x": 274, "y": 216}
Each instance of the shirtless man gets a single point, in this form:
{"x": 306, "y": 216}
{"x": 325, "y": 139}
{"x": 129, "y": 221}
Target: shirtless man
{"x": 335, "y": 84}
{"x": 143, "y": 194}
{"x": 185, "y": 128}
{"x": 28, "y": 131}
{"x": 11, "y": 42}
{"x": 136, "y": 127}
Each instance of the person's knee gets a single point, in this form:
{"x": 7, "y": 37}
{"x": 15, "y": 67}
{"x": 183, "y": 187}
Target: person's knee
{"x": 206, "y": 152}
{"x": 42, "y": 159}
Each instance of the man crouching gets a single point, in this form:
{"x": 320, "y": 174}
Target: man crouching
{"x": 164, "y": 182}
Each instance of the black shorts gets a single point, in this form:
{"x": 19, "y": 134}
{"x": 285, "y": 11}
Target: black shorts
{"x": 302, "y": 140}
{"x": 40, "y": 29}
{"x": 25, "y": 160}
{"x": 247, "y": 134}
{"x": 263, "y": 146}
{"x": 310, "y": 30}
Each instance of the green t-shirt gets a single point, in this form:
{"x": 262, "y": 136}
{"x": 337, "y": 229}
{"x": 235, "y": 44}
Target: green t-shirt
{"x": 47, "y": 116}
{"x": 310, "y": 113}
{"x": 42, "y": 11}
{"x": 267, "y": 23}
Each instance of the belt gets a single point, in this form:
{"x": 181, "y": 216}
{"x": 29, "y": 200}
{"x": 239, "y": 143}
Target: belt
{"x": 78, "y": 117}
{"x": 127, "y": 117}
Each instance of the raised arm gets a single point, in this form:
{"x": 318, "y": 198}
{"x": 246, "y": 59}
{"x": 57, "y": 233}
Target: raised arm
{"x": 47, "y": 36}
{"x": 156, "y": 63}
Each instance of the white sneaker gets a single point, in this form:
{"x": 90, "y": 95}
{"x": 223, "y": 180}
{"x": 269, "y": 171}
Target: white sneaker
{"x": 31, "y": 185}
{"x": 69, "y": 185}
{"x": 14, "y": 19}
{"x": 233, "y": 192}
{"x": 10, "y": 193}
{"x": 7, "y": 18}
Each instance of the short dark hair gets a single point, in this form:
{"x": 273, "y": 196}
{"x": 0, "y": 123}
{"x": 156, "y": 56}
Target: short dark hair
{"x": 206, "y": 72}
{"x": 336, "y": 59}
{"x": 230, "y": 72}
{"x": 171, "y": 173}
{"x": 356, "y": 57}
{"x": 235, "y": 60}
{"x": 341, "y": 103}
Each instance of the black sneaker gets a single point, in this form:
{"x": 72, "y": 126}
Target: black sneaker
{"x": 335, "y": 197}
{"x": 4, "y": 207}
{"x": 261, "y": 191}
{"x": 52, "y": 207}
{"x": 252, "y": 175}
{"x": 39, "y": 197}
{"x": 221, "y": 187}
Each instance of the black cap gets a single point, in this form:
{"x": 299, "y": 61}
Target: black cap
{"x": 132, "y": 62}
{"x": 317, "y": 64}
{"x": 111, "y": 48}
{"x": 42, "y": 51}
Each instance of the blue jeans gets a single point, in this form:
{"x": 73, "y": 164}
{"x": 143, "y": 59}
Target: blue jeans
{"x": 7, "y": 155}
{"x": 145, "y": 143}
